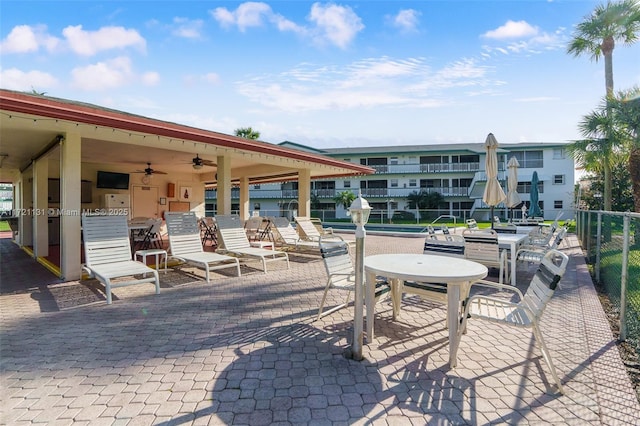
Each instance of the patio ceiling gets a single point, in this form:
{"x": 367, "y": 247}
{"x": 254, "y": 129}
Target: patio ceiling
{"x": 30, "y": 126}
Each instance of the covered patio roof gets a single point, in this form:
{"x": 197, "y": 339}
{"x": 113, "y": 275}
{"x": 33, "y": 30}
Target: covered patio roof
{"x": 30, "y": 125}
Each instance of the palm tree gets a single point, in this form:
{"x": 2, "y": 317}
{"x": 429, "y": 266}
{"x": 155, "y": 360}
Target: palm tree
{"x": 601, "y": 147}
{"x": 598, "y": 33}
{"x": 424, "y": 200}
{"x": 626, "y": 112}
{"x": 344, "y": 198}
{"x": 247, "y": 133}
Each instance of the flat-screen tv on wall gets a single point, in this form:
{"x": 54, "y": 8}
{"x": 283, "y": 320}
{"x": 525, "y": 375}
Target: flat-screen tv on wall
{"x": 112, "y": 180}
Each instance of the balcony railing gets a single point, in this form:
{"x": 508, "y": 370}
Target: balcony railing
{"x": 426, "y": 168}
{"x": 325, "y": 194}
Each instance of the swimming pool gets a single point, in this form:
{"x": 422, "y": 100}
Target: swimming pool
{"x": 380, "y": 229}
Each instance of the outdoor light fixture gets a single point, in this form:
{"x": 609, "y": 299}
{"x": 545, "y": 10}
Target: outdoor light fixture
{"x": 359, "y": 212}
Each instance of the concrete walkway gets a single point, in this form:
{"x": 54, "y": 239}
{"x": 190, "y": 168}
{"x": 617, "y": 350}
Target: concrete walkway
{"x": 246, "y": 351}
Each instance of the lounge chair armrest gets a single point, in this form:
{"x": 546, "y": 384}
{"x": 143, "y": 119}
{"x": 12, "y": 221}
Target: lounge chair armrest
{"x": 494, "y": 285}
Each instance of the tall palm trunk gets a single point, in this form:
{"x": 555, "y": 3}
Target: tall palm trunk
{"x": 607, "y": 186}
{"x": 608, "y": 44}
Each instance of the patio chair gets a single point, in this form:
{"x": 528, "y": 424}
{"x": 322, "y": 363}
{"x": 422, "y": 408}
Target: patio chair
{"x": 287, "y": 236}
{"x": 233, "y": 239}
{"x": 439, "y": 245}
{"x": 107, "y": 254}
{"x": 208, "y": 231}
{"x": 252, "y": 227}
{"x": 533, "y": 253}
{"x": 505, "y": 228}
{"x": 482, "y": 246}
{"x": 341, "y": 273}
{"x": 151, "y": 237}
{"x": 306, "y": 229}
{"x": 444, "y": 245}
{"x": 321, "y": 229}
{"x": 185, "y": 244}
{"x": 525, "y": 313}
{"x": 471, "y": 224}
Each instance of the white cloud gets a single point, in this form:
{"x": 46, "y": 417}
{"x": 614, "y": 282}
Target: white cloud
{"x": 150, "y": 78}
{"x": 330, "y": 23}
{"x": 252, "y": 14}
{"x": 15, "y": 79}
{"x": 88, "y": 43}
{"x": 336, "y": 24}
{"x": 103, "y": 75}
{"x": 25, "y": 38}
{"x": 368, "y": 83}
{"x": 406, "y": 20}
{"x": 187, "y": 28}
{"x": 512, "y": 29}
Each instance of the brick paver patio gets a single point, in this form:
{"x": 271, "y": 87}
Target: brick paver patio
{"x": 246, "y": 351}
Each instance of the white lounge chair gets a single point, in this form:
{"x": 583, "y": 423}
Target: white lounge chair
{"x": 527, "y": 312}
{"x": 307, "y": 229}
{"x": 185, "y": 244}
{"x": 107, "y": 253}
{"x": 233, "y": 239}
{"x": 287, "y": 236}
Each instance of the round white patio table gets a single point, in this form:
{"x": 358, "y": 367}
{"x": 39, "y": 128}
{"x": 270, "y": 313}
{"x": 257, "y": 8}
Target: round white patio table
{"x": 457, "y": 273}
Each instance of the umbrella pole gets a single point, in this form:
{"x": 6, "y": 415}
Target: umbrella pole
{"x": 491, "y": 218}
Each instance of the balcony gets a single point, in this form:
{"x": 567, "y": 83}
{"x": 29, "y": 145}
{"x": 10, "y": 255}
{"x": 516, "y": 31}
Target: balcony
{"x": 325, "y": 194}
{"x": 426, "y": 168}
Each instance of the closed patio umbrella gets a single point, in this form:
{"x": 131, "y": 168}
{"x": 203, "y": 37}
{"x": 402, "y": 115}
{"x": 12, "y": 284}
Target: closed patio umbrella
{"x": 513, "y": 199}
{"x": 493, "y": 193}
{"x": 534, "y": 208}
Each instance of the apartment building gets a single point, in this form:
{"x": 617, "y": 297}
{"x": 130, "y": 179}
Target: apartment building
{"x": 456, "y": 171}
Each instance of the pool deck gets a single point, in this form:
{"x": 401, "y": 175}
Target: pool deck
{"x": 247, "y": 351}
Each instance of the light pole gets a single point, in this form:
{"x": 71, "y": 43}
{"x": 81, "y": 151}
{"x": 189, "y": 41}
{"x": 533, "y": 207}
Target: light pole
{"x": 359, "y": 211}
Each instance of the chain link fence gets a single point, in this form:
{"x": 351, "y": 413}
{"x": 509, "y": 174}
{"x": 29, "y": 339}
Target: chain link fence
{"x": 611, "y": 242}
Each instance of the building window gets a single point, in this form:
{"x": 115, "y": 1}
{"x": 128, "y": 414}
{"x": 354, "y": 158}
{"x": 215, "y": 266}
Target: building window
{"x": 394, "y": 183}
{"x": 557, "y": 204}
{"x": 558, "y": 179}
{"x": 529, "y": 159}
{"x": 346, "y": 184}
{"x": 559, "y": 153}
{"x": 256, "y": 186}
{"x": 256, "y": 206}
{"x": 525, "y": 187}
{"x": 413, "y": 182}
{"x": 393, "y": 160}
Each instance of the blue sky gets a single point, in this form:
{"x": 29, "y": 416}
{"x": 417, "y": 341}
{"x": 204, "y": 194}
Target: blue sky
{"x": 324, "y": 74}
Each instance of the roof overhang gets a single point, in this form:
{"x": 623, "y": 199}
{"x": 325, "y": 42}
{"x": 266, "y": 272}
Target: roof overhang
{"x": 29, "y": 123}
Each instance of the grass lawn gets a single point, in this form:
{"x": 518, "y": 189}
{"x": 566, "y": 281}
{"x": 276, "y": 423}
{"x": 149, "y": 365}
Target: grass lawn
{"x": 610, "y": 272}
{"x": 4, "y": 226}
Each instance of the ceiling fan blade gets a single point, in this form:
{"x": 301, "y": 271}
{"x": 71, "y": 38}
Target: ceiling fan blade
{"x": 209, "y": 163}
{"x": 157, "y": 172}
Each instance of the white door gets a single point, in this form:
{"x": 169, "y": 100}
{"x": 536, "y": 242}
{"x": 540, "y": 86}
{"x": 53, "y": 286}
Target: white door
{"x": 145, "y": 201}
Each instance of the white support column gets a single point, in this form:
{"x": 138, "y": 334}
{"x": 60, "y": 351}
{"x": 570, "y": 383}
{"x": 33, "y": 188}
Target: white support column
{"x": 26, "y": 204}
{"x": 304, "y": 192}
{"x": 224, "y": 185}
{"x": 17, "y": 205}
{"x": 244, "y": 199}
{"x": 40, "y": 207}
{"x": 70, "y": 188}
